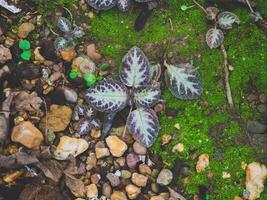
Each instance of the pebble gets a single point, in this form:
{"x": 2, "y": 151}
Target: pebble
{"x": 91, "y": 191}
{"x": 106, "y": 190}
{"x": 70, "y": 95}
{"x": 5, "y": 54}
{"x": 262, "y": 98}
{"x": 121, "y": 161}
{"x": 95, "y": 178}
{"x": 57, "y": 119}
{"x": 144, "y": 169}
{"x": 139, "y": 179}
{"x": 95, "y": 133}
{"x": 117, "y": 195}
{"x": 155, "y": 187}
{"x": 92, "y": 53}
{"x": 132, "y": 160}
{"x": 139, "y": 148}
{"x": 125, "y": 174}
{"x": 83, "y": 64}
{"x": 116, "y": 146}
{"x": 256, "y": 174}
{"x": 158, "y": 197}
{"x": 70, "y": 146}
{"x": 27, "y": 134}
{"x": 90, "y": 162}
{"x": 237, "y": 198}
{"x": 256, "y": 127}
{"x": 68, "y": 54}
{"x": 101, "y": 152}
{"x": 165, "y": 177}
{"x": 178, "y": 148}
{"x": 25, "y": 29}
{"x": 113, "y": 179}
{"x": 202, "y": 163}
{"x": 9, "y": 178}
{"x": 132, "y": 191}
{"x": 261, "y": 108}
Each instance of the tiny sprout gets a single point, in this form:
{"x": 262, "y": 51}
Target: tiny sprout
{"x": 185, "y": 7}
{"x": 26, "y": 55}
{"x": 73, "y": 74}
{"x": 90, "y": 79}
{"x": 104, "y": 67}
{"x": 24, "y": 45}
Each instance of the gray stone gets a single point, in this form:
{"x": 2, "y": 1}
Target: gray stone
{"x": 256, "y": 127}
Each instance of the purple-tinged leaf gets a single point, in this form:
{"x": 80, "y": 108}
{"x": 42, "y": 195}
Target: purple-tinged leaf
{"x": 107, "y": 96}
{"x": 144, "y": 126}
{"x": 227, "y": 19}
{"x": 135, "y": 68}
{"x": 155, "y": 72}
{"x": 84, "y": 126}
{"x": 183, "y": 81}
{"x": 102, "y": 4}
{"x": 147, "y": 96}
{"x": 214, "y": 38}
{"x": 96, "y": 124}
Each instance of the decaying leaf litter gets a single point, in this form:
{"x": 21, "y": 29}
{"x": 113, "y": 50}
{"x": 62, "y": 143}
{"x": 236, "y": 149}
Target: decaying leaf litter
{"x": 72, "y": 129}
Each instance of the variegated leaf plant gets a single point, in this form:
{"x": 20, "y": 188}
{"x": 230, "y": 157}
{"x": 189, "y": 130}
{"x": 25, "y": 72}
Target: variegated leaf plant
{"x": 139, "y": 88}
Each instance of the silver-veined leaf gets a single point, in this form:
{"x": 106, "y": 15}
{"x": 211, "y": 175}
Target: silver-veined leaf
{"x": 124, "y": 5}
{"x": 107, "y": 96}
{"x": 214, "y": 38}
{"x": 60, "y": 43}
{"x": 227, "y": 19}
{"x": 147, "y": 96}
{"x": 102, "y": 4}
{"x": 78, "y": 32}
{"x": 84, "y": 126}
{"x": 64, "y": 24}
{"x": 144, "y": 126}
{"x": 135, "y": 68}
{"x": 183, "y": 81}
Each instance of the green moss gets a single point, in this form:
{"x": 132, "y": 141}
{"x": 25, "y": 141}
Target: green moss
{"x": 205, "y": 124}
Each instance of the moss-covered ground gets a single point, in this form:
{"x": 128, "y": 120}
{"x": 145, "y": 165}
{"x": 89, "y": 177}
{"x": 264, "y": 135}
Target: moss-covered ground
{"x": 205, "y": 124}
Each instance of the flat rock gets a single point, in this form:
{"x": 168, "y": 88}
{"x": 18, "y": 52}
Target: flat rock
{"x": 57, "y": 119}
{"x": 256, "y": 174}
{"x": 27, "y": 134}
{"x": 91, "y": 191}
{"x": 113, "y": 179}
{"x": 256, "y": 127}
{"x": 139, "y": 179}
{"x": 70, "y": 146}
{"x": 116, "y": 146}
{"x": 132, "y": 191}
{"x": 165, "y": 177}
{"x": 5, "y": 54}
{"x": 117, "y": 195}
{"x": 101, "y": 152}
{"x": 202, "y": 163}
{"x": 25, "y": 29}
{"x": 139, "y": 148}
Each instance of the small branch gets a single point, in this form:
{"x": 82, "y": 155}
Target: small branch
{"x": 250, "y": 7}
{"x": 171, "y": 25}
{"x": 200, "y": 6}
{"x": 227, "y": 83}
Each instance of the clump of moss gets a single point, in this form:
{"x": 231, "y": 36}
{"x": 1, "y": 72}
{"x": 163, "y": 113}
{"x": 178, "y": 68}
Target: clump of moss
{"x": 198, "y": 119}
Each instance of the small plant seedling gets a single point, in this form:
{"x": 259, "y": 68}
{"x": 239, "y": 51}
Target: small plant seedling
{"x": 90, "y": 79}
{"x": 26, "y": 55}
{"x": 185, "y": 7}
{"x": 73, "y": 74}
{"x": 25, "y": 46}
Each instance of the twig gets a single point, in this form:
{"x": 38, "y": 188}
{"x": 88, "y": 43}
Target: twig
{"x": 170, "y": 20}
{"x": 45, "y": 115}
{"x": 200, "y": 6}
{"x": 227, "y": 83}
{"x": 250, "y": 7}
{"x": 71, "y": 17}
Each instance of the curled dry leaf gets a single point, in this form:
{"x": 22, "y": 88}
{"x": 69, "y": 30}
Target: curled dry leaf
{"x": 75, "y": 185}
{"x": 51, "y": 169}
{"x": 27, "y": 102}
{"x": 214, "y": 38}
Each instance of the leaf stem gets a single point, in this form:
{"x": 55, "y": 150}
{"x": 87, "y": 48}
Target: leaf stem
{"x": 125, "y": 127}
{"x": 200, "y": 6}
{"x": 227, "y": 83}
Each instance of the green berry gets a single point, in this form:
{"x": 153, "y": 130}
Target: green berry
{"x": 24, "y": 45}
{"x": 90, "y": 79}
{"x": 26, "y": 55}
{"x": 73, "y": 74}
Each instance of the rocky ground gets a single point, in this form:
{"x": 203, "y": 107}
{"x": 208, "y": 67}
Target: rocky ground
{"x": 46, "y": 153}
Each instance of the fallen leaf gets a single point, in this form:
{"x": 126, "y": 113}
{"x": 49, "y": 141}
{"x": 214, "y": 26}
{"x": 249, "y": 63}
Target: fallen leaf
{"x": 51, "y": 169}
{"x": 75, "y": 185}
